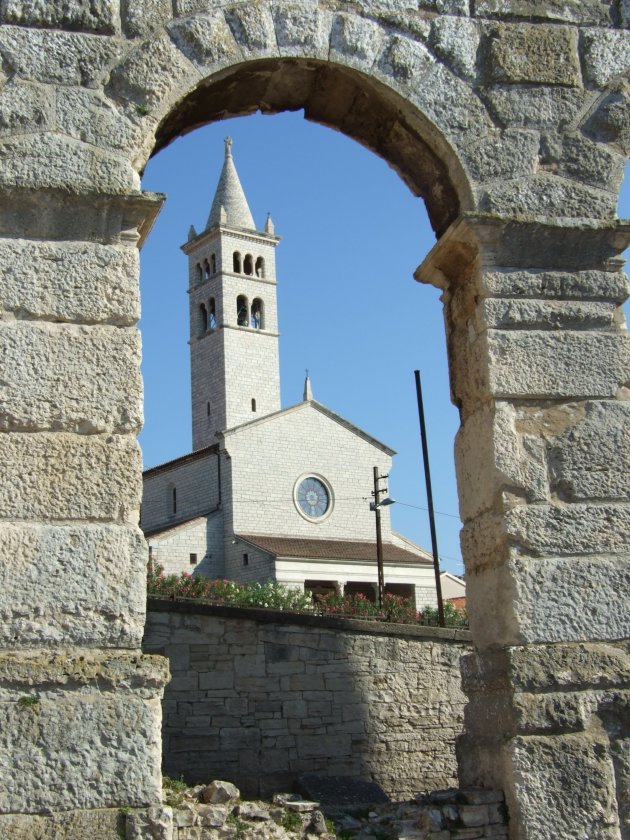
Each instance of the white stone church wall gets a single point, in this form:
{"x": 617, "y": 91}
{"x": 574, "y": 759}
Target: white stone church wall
{"x": 197, "y": 485}
{"x": 296, "y": 443}
{"x": 201, "y": 538}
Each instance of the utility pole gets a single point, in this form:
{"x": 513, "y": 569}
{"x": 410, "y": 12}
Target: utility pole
{"x": 376, "y": 507}
{"x": 427, "y": 477}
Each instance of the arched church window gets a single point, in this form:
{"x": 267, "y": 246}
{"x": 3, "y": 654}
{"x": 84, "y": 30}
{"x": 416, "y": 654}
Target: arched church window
{"x": 206, "y": 269}
{"x": 260, "y": 267}
{"x": 198, "y": 273}
{"x": 253, "y": 404}
{"x": 212, "y": 315}
{"x": 242, "y": 314}
{"x": 203, "y": 319}
{"x": 248, "y": 264}
{"x": 257, "y": 314}
{"x": 213, "y": 263}
{"x": 236, "y": 260}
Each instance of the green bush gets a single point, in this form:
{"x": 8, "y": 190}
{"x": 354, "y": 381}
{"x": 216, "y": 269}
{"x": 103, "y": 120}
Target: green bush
{"x": 269, "y": 595}
{"x": 453, "y": 617}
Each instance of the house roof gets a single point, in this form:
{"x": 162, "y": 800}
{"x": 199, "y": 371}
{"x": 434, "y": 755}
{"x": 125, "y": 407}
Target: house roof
{"x": 180, "y": 524}
{"x": 337, "y": 418}
{"x": 331, "y": 549}
{"x": 182, "y": 459}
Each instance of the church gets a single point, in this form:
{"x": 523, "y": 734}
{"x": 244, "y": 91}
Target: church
{"x": 268, "y": 493}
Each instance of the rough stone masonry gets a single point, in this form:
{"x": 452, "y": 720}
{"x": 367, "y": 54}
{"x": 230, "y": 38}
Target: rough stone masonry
{"x": 511, "y": 119}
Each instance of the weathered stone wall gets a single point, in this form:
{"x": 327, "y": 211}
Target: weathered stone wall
{"x": 259, "y": 697}
{"x": 510, "y": 117}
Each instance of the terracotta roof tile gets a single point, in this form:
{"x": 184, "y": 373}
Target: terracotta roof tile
{"x": 331, "y": 549}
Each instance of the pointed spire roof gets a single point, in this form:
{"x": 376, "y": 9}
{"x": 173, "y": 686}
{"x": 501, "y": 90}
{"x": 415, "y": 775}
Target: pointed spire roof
{"x": 230, "y": 206}
{"x": 308, "y": 391}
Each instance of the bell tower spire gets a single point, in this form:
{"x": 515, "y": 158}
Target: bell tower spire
{"x": 233, "y": 313}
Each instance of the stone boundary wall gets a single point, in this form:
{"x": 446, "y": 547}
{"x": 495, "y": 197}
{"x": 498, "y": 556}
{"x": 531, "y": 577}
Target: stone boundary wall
{"x": 259, "y": 697}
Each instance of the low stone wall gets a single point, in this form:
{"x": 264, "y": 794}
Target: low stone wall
{"x": 259, "y": 697}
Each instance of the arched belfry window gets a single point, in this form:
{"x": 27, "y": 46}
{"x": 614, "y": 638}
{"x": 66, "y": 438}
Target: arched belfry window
{"x": 236, "y": 259}
{"x": 213, "y": 263}
{"x": 242, "y": 311}
{"x": 248, "y": 264}
{"x": 212, "y": 314}
{"x": 198, "y": 273}
{"x": 260, "y": 267}
{"x": 258, "y": 311}
{"x": 206, "y": 269}
{"x": 203, "y": 319}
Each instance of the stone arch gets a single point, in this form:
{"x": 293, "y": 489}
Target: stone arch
{"x": 514, "y": 131}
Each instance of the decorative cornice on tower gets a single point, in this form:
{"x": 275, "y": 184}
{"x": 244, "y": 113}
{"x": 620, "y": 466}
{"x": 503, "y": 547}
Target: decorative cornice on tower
{"x": 230, "y": 206}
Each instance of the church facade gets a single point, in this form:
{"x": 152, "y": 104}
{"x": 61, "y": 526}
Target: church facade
{"x": 267, "y": 493}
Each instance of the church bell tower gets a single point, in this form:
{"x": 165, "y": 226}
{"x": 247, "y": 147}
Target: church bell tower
{"x": 233, "y": 314}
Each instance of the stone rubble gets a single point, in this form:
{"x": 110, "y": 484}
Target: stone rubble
{"x": 473, "y": 814}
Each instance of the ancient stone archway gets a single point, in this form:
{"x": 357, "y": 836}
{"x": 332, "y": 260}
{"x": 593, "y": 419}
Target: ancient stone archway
{"x": 511, "y": 119}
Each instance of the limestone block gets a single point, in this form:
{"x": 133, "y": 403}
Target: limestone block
{"x": 92, "y": 16}
{"x": 104, "y": 824}
{"x": 302, "y": 29}
{"x": 534, "y": 53}
{"x": 457, "y": 110}
{"x": 47, "y": 597}
{"x": 504, "y": 313}
{"x": 62, "y": 727}
{"x": 456, "y": 40}
{"x": 551, "y": 600}
{"x": 405, "y": 60}
{"x": 591, "y": 163}
{"x": 583, "y": 285}
{"x": 253, "y": 28}
{"x": 606, "y": 54}
{"x": 156, "y": 823}
{"x": 152, "y": 76}
{"x": 547, "y": 195}
{"x": 542, "y": 530}
{"x": 25, "y": 107}
{"x": 71, "y": 378}
{"x": 591, "y": 460}
{"x": 584, "y": 12}
{"x": 547, "y": 364}
{"x": 143, "y": 16}
{"x": 557, "y": 780}
{"x": 610, "y": 121}
{"x": 92, "y": 118}
{"x": 491, "y": 456}
{"x": 535, "y": 107}
{"x": 206, "y": 40}
{"x": 512, "y": 154}
{"x": 570, "y": 667}
{"x": 67, "y": 58}
{"x": 355, "y": 41}
{"x": 65, "y": 476}
{"x": 82, "y": 282}
{"x": 47, "y": 161}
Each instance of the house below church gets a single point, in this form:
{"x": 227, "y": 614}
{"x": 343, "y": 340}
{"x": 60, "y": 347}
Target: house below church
{"x": 267, "y": 493}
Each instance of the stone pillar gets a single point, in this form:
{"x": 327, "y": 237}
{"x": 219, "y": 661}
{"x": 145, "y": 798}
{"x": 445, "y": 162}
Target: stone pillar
{"x": 539, "y": 359}
{"x": 80, "y": 722}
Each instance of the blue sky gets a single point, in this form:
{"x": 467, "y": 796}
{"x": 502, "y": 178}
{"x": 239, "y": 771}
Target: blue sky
{"x": 349, "y": 308}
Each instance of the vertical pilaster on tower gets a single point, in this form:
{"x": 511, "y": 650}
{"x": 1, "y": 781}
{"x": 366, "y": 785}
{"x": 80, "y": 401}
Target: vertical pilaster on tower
{"x": 233, "y": 313}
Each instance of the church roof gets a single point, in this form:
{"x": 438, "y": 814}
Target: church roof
{"x": 323, "y": 410}
{"x": 332, "y": 549}
{"x": 230, "y": 206}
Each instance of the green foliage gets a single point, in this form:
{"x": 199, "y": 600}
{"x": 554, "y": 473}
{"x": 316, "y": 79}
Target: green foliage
{"x": 395, "y": 608}
{"x": 292, "y": 822}
{"x": 143, "y": 110}
{"x": 453, "y": 616}
{"x": 239, "y": 825}
{"x": 28, "y": 701}
{"x": 269, "y": 595}
{"x": 174, "y": 790}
